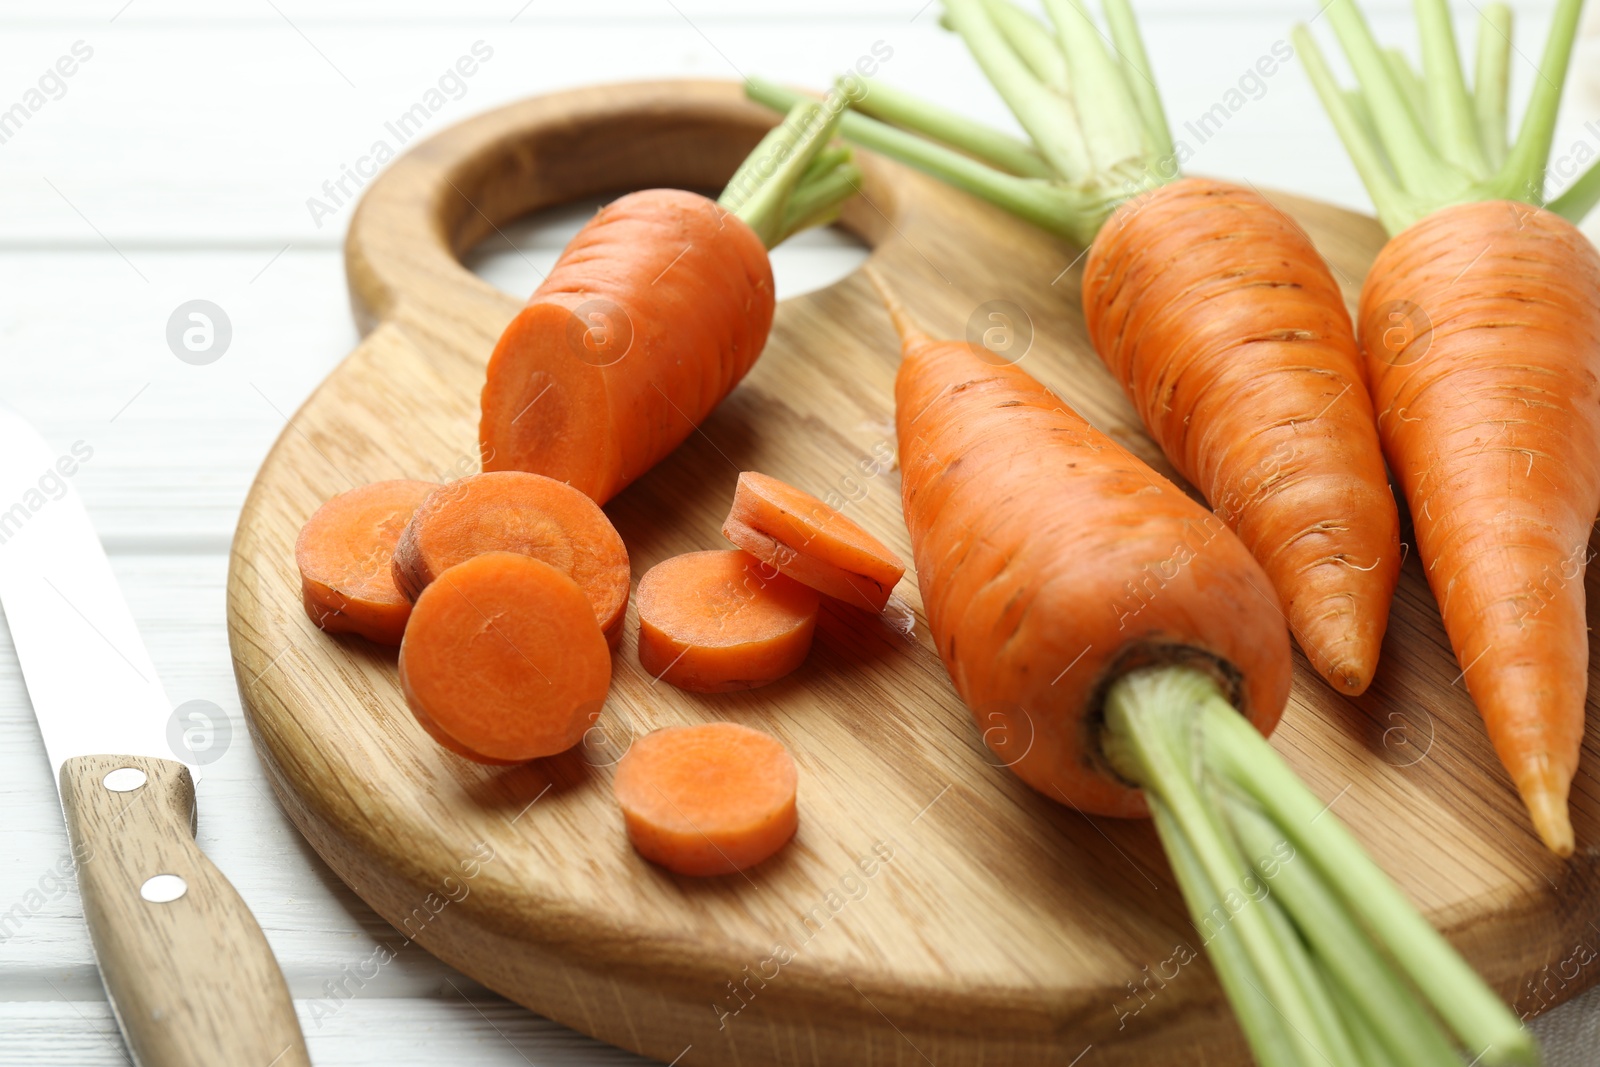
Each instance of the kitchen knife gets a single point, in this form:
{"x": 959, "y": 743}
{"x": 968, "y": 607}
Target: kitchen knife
{"x": 191, "y": 979}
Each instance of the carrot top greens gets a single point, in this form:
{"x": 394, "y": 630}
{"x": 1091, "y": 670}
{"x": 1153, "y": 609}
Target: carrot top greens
{"x": 1087, "y": 101}
{"x": 793, "y": 179}
{"x": 1426, "y": 142}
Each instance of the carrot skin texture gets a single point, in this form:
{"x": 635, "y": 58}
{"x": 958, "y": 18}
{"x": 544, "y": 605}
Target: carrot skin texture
{"x": 503, "y": 660}
{"x": 515, "y": 511}
{"x": 1229, "y": 334}
{"x": 812, "y": 543}
{"x": 653, "y": 313}
{"x": 1051, "y": 561}
{"x": 709, "y": 799}
{"x": 1481, "y": 326}
{"x": 720, "y": 621}
{"x": 344, "y": 554}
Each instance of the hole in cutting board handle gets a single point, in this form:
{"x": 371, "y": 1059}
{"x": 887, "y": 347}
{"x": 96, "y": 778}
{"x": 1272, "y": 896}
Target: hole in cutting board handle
{"x": 516, "y": 257}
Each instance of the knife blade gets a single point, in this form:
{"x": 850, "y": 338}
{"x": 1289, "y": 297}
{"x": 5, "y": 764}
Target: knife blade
{"x": 189, "y": 974}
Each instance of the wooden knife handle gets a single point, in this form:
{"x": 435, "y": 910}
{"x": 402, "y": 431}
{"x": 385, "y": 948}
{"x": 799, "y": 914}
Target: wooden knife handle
{"x": 190, "y": 975}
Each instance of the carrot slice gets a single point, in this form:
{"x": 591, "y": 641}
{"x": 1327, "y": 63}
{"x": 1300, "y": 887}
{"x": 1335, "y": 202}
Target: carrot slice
{"x": 717, "y": 621}
{"x": 503, "y": 660}
{"x": 812, "y": 543}
{"x": 530, "y": 514}
{"x": 708, "y": 799}
{"x": 343, "y": 553}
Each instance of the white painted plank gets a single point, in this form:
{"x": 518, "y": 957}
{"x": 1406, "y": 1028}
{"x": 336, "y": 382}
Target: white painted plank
{"x": 466, "y": 1027}
{"x": 224, "y": 134}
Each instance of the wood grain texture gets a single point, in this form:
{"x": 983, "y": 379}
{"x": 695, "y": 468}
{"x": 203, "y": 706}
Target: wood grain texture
{"x": 931, "y": 906}
{"x": 192, "y": 980}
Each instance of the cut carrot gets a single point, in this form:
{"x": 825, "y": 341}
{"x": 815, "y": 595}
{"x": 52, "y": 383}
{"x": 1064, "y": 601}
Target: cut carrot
{"x": 710, "y": 799}
{"x": 717, "y": 621}
{"x": 344, "y": 552}
{"x": 812, "y": 543}
{"x": 503, "y": 660}
{"x": 530, "y": 514}
{"x": 653, "y": 313}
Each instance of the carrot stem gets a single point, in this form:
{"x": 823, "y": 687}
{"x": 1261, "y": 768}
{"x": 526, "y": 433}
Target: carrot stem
{"x": 1389, "y": 1010}
{"x": 1100, "y": 102}
{"x": 1407, "y": 175}
{"x": 1524, "y": 172}
{"x": 1491, "y": 84}
{"x": 1048, "y": 205}
{"x": 1580, "y": 197}
{"x": 1129, "y": 43}
{"x": 780, "y": 170}
{"x": 1060, "y": 140}
{"x": 1411, "y": 88}
{"x": 1404, "y": 140}
{"x": 1033, "y": 43}
{"x": 1342, "y": 954}
{"x": 1450, "y": 105}
{"x": 1151, "y": 721}
{"x": 899, "y": 108}
{"x": 1262, "y": 1025}
{"x": 1357, "y": 128}
{"x": 1469, "y": 1008}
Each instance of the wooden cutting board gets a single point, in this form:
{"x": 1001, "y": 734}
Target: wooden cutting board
{"x": 931, "y": 908}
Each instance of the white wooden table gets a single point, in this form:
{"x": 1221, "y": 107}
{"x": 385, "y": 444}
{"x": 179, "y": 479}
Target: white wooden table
{"x": 176, "y": 163}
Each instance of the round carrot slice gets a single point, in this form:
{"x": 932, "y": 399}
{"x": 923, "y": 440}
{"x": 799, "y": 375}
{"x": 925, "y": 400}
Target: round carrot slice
{"x": 712, "y": 622}
{"x": 811, "y": 542}
{"x": 513, "y": 511}
{"x": 344, "y": 552}
{"x": 503, "y": 660}
{"x": 709, "y": 799}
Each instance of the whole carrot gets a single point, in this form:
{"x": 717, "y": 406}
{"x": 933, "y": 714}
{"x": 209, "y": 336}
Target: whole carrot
{"x": 1480, "y": 321}
{"x": 653, "y": 313}
{"x": 1230, "y": 336}
{"x": 1025, "y": 522}
{"x": 1212, "y": 309}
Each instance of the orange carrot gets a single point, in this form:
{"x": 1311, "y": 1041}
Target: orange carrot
{"x": 1051, "y": 560}
{"x": 1121, "y": 653}
{"x": 713, "y": 622}
{"x": 709, "y": 799}
{"x": 1230, "y": 336}
{"x": 503, "y": 660}
{"x": 653, "y": 313}
{"x": 344, "y": 552}
{"x": 513, "y": 511}
{"x": 811, "y": 542}
{"x": 1480, "y": 321}
{"x": 1491, "y": 415}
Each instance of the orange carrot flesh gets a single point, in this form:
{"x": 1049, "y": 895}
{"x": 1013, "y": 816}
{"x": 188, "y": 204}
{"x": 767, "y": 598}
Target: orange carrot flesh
{"x": 503, "y": 660}
{"x": 1051, "y": 561}
{"x": 654, "y": 312}
{"x": 812, "y": 543}
{"x": 1481, "y": 326}
{"x": 714, "y": 622}
{"x": 513, "y": 511}
{"x": 707, "y": 800}
{"x": 1229, "y": 334}
{"x": 344, "y": 552}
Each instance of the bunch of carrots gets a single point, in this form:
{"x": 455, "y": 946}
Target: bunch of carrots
{"x": 507, "y": 592}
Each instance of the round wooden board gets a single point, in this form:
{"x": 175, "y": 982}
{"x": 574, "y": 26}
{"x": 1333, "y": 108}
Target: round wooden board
{"x": 931, "y": 908}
